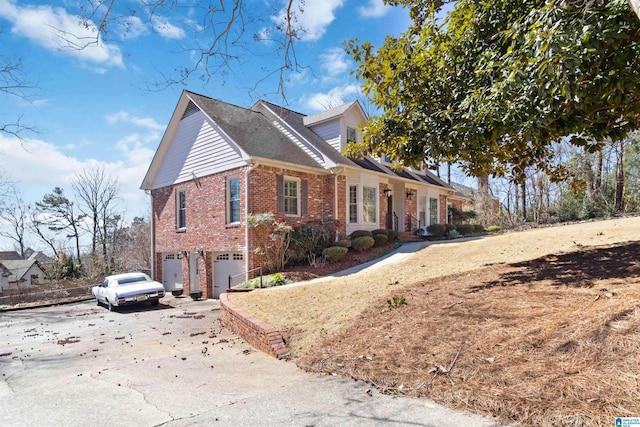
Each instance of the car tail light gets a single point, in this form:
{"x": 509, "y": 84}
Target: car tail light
{"x": 121, "y": 300}
{"x": 160, "y": 293}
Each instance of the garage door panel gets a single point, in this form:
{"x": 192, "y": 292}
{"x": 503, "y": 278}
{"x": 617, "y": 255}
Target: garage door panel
{"x": 225, "y": 264}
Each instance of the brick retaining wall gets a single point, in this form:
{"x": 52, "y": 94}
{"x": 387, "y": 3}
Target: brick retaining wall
{"x": 259, "y": 334}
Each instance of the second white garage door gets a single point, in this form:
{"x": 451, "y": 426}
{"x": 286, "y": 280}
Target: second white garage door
{"x": 226, "y": 264}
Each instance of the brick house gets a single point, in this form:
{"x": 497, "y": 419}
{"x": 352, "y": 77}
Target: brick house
{"x": 217, "y": 162}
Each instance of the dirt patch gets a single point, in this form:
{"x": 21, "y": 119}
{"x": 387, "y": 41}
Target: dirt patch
{"x": 553, "y": 341}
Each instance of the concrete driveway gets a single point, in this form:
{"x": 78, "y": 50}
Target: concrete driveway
{"x": 78, "y": 365}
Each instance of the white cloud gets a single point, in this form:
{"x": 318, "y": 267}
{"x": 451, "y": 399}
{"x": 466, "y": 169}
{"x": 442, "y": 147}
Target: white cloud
{"x": 54, "y": 29}
{"x": 374, "y": 9}
{"x": 146, "y": 122}
{"x": 336, "y": 96}
{"x": 131, "y": 27}
{"x": 334, "y": 61}
{"x": 310, "y": 18}
{"x": 166, "y": 29}
{"x": 40, "y": 166}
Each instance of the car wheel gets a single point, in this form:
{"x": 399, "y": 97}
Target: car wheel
{"x": 110, "y": 306}
{"x": 154, "y": 301}
{"x": 97, "y": 302}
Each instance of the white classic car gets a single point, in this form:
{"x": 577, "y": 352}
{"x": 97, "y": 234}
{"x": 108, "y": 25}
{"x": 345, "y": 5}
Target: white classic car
{"x": 127, "y": 288}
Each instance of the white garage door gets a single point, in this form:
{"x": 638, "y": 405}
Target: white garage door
{"x": 226, "y": 264}
{"x": 172, "y": 272}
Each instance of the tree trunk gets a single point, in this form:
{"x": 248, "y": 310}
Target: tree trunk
{"x": 523, "y": 186}
{"x": 598, "y": 178}
{"x": 483, "y": 203}
{"x": 620, "y": 177}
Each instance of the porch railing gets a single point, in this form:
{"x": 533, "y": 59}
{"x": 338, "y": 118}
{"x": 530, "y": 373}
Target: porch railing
{"x": 246, "y": 272}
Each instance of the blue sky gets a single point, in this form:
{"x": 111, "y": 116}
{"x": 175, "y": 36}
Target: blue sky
{"x": 92, "y": 106}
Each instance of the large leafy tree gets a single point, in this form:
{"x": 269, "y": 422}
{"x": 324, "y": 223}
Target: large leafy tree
{"x": 496, "y": 83}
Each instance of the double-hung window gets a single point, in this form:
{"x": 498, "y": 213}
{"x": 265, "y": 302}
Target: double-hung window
{"x": 353, "y": 204}
{"x": 233, "y": 198}
{"x": 291, "y": 196}
{"x": 369, "y": 204}
{"x": 181, "y": 209}
{"x": 351, "y": 135}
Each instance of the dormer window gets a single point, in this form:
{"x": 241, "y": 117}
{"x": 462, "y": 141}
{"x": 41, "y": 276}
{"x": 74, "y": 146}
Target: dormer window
{"x": 351, "y": 135}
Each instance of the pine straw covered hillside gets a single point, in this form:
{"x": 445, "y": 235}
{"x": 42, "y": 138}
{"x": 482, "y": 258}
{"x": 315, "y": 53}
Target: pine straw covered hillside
{"x": 548, "y": 342}
{"x": 540, "y": 327}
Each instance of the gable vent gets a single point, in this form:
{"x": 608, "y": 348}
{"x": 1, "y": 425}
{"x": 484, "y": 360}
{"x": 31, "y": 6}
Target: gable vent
{"x": 191, "y": 110}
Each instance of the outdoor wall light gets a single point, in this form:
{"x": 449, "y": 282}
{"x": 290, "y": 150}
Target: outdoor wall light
{"x": 387, "y": 192}
{"x": 409, "y": 194}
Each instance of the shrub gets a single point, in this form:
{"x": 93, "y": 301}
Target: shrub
{"x": 362, "y": 243}
{"x": 309, "y": 239}
{"x": 493, "y": 228}
{"x": 334, "y": 254}
{"x": 392, "y": 235}
{"x": 360, "y": 233}
{"x": 465, "y": 229}
{"x": 379, "y": 231}
{"x": 478, "y": 228}
{"x": 438, "y": 230}
{"x": 450, "y": 228}
{"x": 269, "y": 281}
{"x": 342, "y": 243}
{"x": 380, "y": 239}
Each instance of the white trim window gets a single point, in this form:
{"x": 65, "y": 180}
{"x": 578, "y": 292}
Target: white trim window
{"x": 352, "y": 134}
{"x": 353, "y": 204}
{"x": 233, "y": 200}
{"x": 291, "y": 196}
{"x": 369, "y": 204}
{"x": 181, "y": 209}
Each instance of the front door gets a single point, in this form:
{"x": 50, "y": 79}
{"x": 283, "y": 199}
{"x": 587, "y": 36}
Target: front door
{"x": 390, "y": 212}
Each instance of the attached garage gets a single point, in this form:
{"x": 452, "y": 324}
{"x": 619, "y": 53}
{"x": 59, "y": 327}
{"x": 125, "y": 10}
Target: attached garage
{"x": 224, "y": 265}
{"x": 172, "y": 271}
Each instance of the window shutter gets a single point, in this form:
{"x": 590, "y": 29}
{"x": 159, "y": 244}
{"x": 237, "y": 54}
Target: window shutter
{"x": 280, "y": 191}
{"x": 304, "y": 197}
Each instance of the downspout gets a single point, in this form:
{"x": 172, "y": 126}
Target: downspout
{"x": 152, "y": 240}
{"x": 336, "y": 172}
{"x": 252, "y": 165}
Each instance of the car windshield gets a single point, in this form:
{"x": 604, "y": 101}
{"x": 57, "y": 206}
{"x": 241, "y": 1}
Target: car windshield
{"x": 129, "y": 280}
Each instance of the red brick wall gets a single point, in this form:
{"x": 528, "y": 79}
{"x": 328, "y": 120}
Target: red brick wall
{"x": 259, "y": 334}
{"x": 206, "y": 221}
{"x": 410, "y": 208}
{"x": 206, "y": 216}
{"x": 263, "y": 198}
{"x": 443, "y": 209}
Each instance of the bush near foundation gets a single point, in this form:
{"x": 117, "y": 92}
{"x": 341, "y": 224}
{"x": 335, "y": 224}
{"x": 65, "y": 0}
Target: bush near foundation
{"x": 362, "y": 243}
{"x": 380, "y": 239}
{"x": 360, "y": 233}
{"x": 334, "y": 254}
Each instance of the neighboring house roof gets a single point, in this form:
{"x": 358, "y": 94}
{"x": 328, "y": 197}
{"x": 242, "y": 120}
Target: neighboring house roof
{"x": 10, "y": 255}
{"x": 18, "y": 268}
{"x": 40, "y": 257}
{"x": 4, "y": 271}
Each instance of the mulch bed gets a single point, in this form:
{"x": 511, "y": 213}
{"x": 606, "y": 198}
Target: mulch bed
{"x": 302, "y": 272}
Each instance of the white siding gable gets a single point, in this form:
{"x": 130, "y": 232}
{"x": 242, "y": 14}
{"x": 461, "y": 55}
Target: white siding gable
{"x": 199, "y": 148}
{"x": 330, "y": 132}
